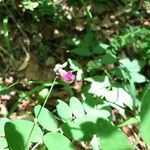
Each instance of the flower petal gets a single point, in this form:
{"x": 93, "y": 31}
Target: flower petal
{"x": 66, "y": 76}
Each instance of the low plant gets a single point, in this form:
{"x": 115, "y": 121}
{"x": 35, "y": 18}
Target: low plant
{"x": 88, "y": 118}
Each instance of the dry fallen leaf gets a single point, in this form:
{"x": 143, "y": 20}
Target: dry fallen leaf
{"x": 26, "y": 61}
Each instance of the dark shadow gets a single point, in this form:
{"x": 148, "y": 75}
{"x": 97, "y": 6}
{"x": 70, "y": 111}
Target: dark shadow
{"x": 67, "y": 130}
{"x": 93, "y": 102}
{"x": 79, "y": 132}
{"x": 109, "y": 134}
{"x": 84, "y": 128}
{"x": 102, "y": 128}
{"x": 89, "y": 129}
{"x": 14, "y": 138}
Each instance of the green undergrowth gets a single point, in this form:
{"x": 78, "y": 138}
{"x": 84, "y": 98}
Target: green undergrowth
{"x": 110, "y": 61}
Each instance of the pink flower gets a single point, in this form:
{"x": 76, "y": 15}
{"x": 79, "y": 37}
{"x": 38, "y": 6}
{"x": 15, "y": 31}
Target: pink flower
{"x": 66, "y": 76}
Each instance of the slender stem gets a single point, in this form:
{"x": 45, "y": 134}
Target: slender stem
{"x": 48, "y": 94}
{"x": 130, "y": 112}
{"x": 14, "y": 20}
{"x": 36, "y": 145}
{"x": 107, "y": 73}
{"x": 88, "y": 13}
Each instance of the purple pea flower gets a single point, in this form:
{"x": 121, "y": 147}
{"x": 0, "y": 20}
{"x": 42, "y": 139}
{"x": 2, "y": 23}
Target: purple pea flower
{"x": 66, "y": 76}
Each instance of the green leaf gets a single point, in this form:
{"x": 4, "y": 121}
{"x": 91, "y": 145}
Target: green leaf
{"x": 95, "y": 143}
{"x": 24, "y": 127}
{"x": 18, "y": 131}
{"x": 56, "y": 141}
{"x": 133, "y": 120}
{"x": 137, "y": 77}
{"x": 4, "y": 89}
{"x": 30, "y": 5}
{"x": 3, "y": 121}
{"x": 100, "y": 48}
{"x": 120, "y": 97}
{"x": 130, "y": 70}
{"x": 76, "y": 107}
{"x": 98, "y": 85}
{"x": 42, "y": 95}
{"x": 82, "y": 51}
{"x": 108, "y": 59}
{"x": 6, "y": 36}
{"x": 132, "y": 66}
{"x": 96, "y": 107}
{"x": 88, "y": 39}
{"x": 63, "y": 111}
{"x": 46, "y": 119}
{"x": 80, "y": 129}
{"x": 17, "y": 143}
{"x": 145, "y": 113}
{"x": 94, "y": 64}
{"x": 75, "y": 66}
{"x": 3, "y": 143}
{"x": 103, "y": 80}
{"x": 108, "y": 134}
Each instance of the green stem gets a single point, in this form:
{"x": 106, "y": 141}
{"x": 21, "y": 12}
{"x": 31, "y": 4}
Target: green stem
{"x": 48, "y": 94}
{"x": 88, "y": 13}
{"x": 107, "y": 73}
{"x": 130, "y": 112}
{"x": 6, "y": 37}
